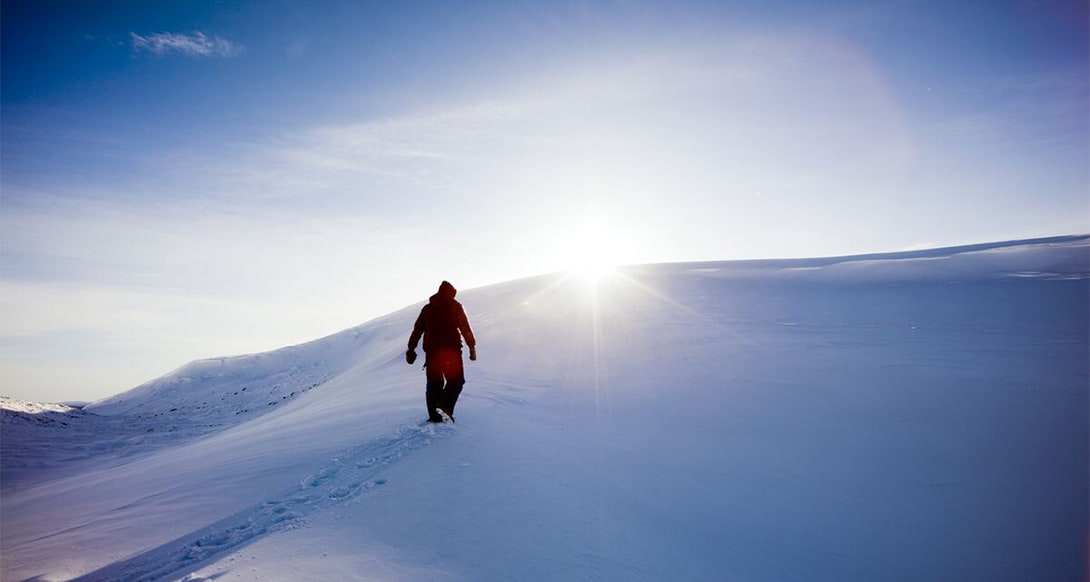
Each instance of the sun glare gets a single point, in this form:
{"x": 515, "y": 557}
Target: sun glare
{"x": 591, "y": 251}
{"x": 594, "y": 267}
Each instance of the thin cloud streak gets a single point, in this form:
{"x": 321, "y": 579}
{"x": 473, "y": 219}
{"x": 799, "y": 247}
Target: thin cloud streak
{"x": 196, "y": 44}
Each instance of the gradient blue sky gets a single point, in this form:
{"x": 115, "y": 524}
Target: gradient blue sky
{"x": 194, "y": 179}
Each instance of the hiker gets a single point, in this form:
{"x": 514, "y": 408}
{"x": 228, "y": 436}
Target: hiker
{"x": 443, "y": 324}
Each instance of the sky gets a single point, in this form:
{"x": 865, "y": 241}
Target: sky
{"x": 183, "y": 180}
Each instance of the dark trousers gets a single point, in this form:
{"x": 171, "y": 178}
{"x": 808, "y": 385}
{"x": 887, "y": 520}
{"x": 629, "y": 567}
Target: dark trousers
{"x": 445, "y": 379}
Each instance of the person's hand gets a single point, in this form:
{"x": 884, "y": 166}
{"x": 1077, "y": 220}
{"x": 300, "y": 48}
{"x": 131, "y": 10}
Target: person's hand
{"x": 410, "y": 356}
{"x": 473, "y": 354}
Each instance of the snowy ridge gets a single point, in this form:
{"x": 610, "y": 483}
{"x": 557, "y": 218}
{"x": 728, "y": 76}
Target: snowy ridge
{"x": 271, "y": 376}
{"x": 1052, "y": 258}
{"x": 220, "y": 383}
{"x": 752, "y": 420}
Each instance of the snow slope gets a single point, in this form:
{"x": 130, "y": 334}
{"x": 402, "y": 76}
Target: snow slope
{"x": 909, "y": 416}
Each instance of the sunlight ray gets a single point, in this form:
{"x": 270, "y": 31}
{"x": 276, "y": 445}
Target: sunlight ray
{"x": 655, "y": 293}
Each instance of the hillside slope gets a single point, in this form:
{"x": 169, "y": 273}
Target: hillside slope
{"x": 898, "y": 417}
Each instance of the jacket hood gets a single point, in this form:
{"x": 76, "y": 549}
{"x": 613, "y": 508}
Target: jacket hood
{"x": 446, "y": 293}
{"x": 447, "y": 290}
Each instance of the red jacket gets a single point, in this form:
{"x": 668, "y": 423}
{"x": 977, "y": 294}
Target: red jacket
{"x": 442, "y": 322}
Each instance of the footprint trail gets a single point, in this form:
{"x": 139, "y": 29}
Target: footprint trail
{"x": 346, "y": 476}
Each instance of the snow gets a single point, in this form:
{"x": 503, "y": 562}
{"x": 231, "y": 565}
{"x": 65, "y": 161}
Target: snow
{"x": 908, "y": 416}
{"x": 28, "y": 407}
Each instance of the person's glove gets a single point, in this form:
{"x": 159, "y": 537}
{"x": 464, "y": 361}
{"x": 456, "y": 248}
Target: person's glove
{"x": 410, "y": 356}
{"x": 473, "y": 354}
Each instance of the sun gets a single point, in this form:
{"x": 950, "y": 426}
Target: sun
{"x": 594, "y": 266}
{"x": 591, "y": 250}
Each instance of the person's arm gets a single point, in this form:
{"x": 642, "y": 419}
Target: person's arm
{"x": 467, "y": 332}
{"x": 418, "y": 329}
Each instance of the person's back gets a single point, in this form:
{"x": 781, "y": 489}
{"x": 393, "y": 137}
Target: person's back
{"x": 442, "y": 323}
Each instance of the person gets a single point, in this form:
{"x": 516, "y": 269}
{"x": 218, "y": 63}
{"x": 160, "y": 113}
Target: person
{"x": 443, "y": 323}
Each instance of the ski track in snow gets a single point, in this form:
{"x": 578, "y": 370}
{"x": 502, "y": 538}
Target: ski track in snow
{"x": 345, "y": 477}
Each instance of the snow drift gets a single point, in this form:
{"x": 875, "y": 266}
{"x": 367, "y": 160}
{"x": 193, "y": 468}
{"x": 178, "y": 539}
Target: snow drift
{"x": 908, "y": 416}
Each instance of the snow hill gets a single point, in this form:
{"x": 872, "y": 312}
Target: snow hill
{"x": 910, "y": 416}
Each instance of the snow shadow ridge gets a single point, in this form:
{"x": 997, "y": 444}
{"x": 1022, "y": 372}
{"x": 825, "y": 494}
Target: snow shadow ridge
{"x": 346, "y": 476}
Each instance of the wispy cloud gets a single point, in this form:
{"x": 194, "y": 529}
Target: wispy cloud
{"x": 196, "y": 44}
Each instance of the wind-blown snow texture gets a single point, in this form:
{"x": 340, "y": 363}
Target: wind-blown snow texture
{"x": 912, "y": 416}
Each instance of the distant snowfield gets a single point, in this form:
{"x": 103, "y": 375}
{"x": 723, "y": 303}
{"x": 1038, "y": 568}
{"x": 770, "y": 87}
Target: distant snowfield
{"x": 909, "y": 416}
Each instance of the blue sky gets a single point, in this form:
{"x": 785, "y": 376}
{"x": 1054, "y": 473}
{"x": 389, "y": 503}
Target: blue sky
{"x": 195, "y": 179}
